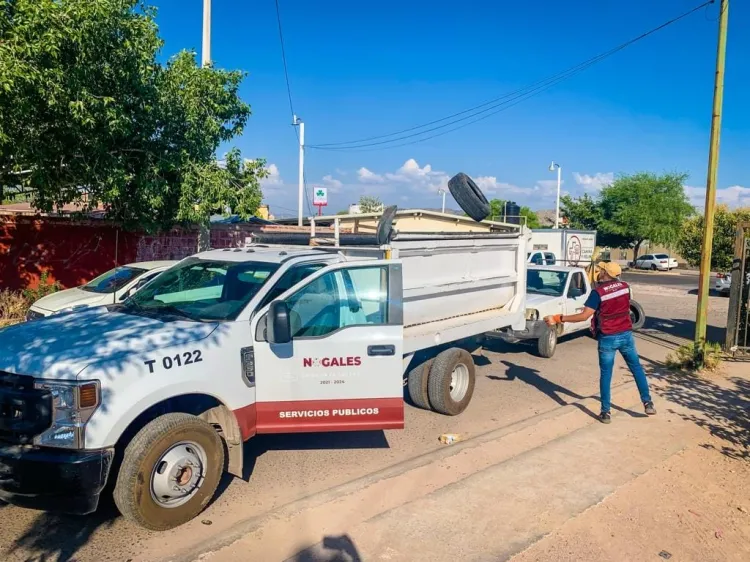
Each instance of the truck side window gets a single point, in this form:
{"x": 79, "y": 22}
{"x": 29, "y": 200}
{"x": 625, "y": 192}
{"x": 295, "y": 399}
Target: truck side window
{"x": 577, "y": 287}
{"x": 537, "y": 259}
{"x": 550, "y": 258}
{"x": 339, "y": 299}
{"x": 293, "y": 276}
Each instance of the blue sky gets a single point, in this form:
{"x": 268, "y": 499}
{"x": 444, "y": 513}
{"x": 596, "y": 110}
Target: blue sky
{"x": 360, "y": 69}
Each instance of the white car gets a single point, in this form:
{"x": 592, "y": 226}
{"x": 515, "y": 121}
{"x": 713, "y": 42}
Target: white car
{"x": 111, "y": 287}
{"x": 655, "y": 262}
{"x": 724, "y": 283}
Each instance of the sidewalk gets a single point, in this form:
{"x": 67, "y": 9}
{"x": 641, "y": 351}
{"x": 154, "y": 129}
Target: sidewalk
{"x": 622, "y": 492}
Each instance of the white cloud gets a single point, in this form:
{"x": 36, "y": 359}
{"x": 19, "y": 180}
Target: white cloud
{"x": 273, "y": 180}
{"x": 366, "y": 176}
{"x": 734, "y": 196}
{"x": 418, "y": 178}
{"x": 332, "y": 183}
{"x": 595, "y": 182}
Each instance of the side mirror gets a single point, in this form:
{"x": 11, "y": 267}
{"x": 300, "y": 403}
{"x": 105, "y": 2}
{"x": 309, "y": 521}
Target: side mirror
{"x": 279, "y": 329}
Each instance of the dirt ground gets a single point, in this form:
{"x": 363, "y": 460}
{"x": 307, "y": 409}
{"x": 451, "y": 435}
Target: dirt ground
{"x": 695, "y": 506}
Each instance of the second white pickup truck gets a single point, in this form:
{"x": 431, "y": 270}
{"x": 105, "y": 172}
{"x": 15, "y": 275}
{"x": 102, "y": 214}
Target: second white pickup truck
{"x": 556, "y": 290}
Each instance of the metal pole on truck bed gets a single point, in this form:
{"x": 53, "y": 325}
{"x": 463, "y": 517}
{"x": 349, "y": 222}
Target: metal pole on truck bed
{"x": 713, "y": 168}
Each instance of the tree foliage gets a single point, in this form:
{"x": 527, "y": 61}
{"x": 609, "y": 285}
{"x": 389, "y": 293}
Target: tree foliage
{"x": 722, "y": 249}
{"x": 370, "y": 204}
{"x": 633, "y": 209}
{"x": 498, "y": 210}
{"x": 532, "y": 220}
{"x": 88, "y": 114}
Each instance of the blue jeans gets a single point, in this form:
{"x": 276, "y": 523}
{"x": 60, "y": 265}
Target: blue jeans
{"x": 608, "y": 347}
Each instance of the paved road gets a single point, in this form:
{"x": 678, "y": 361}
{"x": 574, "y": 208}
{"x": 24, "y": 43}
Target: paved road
{"x": 687, "y": 280}
{"x": 512, "y": 385}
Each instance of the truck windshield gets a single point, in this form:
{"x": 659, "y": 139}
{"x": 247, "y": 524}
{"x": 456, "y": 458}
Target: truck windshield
{"x": 545, "y": 282}
{"x": 202, "y": 290}
{"x": 114, "y": 280}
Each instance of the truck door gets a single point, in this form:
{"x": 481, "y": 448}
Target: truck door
{"x": 342, "y": 368}
{"x": 576, "y": 294}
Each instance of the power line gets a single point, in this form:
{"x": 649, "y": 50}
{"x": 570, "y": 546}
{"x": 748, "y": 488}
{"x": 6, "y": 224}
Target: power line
{"x": 489, "y": 108}
{"x": 283, "y": 59}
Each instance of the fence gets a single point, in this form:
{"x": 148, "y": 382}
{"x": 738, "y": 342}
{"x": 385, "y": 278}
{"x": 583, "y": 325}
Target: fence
{"x": 72, "y": 251}
{"x": 738, "y": 317}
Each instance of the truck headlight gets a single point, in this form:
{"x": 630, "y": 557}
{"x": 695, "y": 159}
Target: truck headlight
{"x": 73, "y": 404}
{"x": 532, "y": 314}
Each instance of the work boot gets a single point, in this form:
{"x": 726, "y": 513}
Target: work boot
{"x": 649, "y": 407}
{"x": 605, "y": 417}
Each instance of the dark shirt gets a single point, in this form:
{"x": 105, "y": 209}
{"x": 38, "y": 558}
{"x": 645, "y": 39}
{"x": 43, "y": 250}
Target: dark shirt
{"x": 593, "y": 301}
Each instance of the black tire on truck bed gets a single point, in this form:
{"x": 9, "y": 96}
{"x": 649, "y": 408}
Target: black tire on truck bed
{"x": 145, "y": 455}
{"x": 417, "y": 381}
{"x": 469, "y": 197}
{"x": 451, "y": 395}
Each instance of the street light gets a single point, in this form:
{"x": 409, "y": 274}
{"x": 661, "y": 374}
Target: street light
{"x": 297, "y": 122}
{"x": 441, "y": 190}
{"x": 552, "y": 167}
{"x": 206, "y": 44}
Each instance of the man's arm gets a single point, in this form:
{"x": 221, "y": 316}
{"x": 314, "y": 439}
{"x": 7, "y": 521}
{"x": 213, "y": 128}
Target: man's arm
{"x": 589, "y": 308}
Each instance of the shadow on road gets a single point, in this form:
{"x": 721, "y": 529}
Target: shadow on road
{"x": 722, "y": 409}
{"x": 331, "y": 549}
{"x": 551, "y": 389}
{"x": 681, "y": 328}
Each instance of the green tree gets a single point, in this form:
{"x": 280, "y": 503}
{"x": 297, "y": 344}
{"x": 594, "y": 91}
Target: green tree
{"x": 497, "y": 209}
{"x": 370, "y": 204}
{"x": 532, "y": 220}
{"x": 645, "y": 206}
{"x": 90, "y": 115}
{"x": 722, "y": 250}
{"x": 633, "y": 209}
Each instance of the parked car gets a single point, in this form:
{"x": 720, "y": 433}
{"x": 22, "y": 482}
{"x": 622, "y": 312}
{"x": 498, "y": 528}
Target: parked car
{"x": 654, "y": 262}
{"x": 111, "y": 287}
{"x": 724, "y": 283}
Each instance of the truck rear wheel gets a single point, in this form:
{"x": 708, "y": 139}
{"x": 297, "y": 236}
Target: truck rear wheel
{"x": 417, "y": 381}
{"x": 547, "y": 344}
{"x": 170, "y": 472}
{"x": 451, "y": 381}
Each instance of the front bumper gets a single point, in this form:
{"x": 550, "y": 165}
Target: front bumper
{"x": 534, "y": 330}
{"x": 53, "y": 479}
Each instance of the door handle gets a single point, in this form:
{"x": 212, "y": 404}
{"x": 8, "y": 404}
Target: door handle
{"x": 381, "y": 350}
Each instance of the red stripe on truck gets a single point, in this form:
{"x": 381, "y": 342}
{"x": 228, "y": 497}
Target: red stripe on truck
{"x": 357, "y": 414}
{"x": 247, "y": 419}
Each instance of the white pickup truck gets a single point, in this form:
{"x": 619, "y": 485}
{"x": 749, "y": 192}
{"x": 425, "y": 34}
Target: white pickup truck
{"x": 156, "y": 394}
{"x": 556, "y": 290}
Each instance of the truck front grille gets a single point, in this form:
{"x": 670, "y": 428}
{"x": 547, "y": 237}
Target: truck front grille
{"x": 25, "y": 411}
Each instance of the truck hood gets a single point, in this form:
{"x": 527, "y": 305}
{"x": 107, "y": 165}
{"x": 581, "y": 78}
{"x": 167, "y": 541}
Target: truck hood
{"x": 72, "y": 297}
{"x": 534, "y": 301}
{"x": 61, "y": 346}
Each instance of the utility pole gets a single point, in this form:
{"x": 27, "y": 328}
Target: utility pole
{"x": 206, "y": 45}
{"x": 442, "y": 191}
{"x": 204, "y": 228}
{"x": 552, "y": 167}
{"x": 299, "y": 123}
{"x": 713, "y": 168}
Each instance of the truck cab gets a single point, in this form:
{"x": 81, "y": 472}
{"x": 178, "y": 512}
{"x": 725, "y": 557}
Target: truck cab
{"x": 541, "y": 258}
{"x": 150, "y": 393}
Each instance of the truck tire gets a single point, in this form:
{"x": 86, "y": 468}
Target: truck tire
{"x": 469, "y": 197}
{"x": 451, "y": 381}
{"x": 384, "y": 231}
{"x": 170, "y": 471}
{"x": 417, "y": 380}
{"x": 637, "y": 316}
{"x": 547, "y": 344}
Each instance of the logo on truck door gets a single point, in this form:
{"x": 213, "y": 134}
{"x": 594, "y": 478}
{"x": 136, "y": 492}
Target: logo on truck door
{"x": 331, "y": 362}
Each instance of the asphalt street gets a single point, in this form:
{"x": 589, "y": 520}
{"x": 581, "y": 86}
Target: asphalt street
{"x": 686, "y": 280}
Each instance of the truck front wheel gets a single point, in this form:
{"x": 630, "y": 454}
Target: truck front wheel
{"x": 170, "y": 471}
{"x": 451, "y": 382}
{"x": 547, "y": 344}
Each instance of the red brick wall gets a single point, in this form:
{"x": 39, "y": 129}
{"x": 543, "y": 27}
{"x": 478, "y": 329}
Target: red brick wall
{"x": 74, "y": 252}
{"x": 70, "y": 253}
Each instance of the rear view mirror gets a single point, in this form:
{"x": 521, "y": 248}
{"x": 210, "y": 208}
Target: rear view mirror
{"x": 279, "y": 329}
